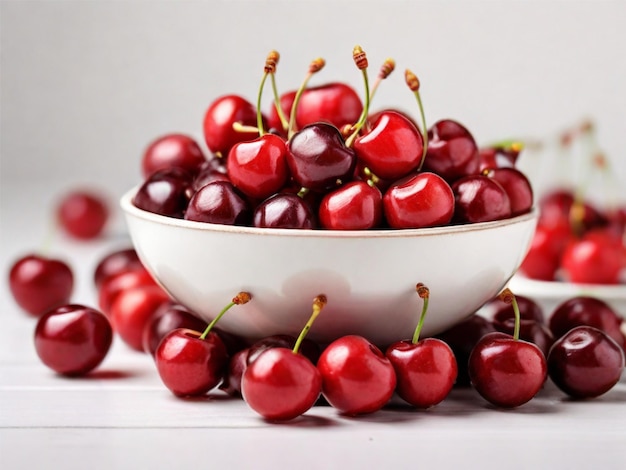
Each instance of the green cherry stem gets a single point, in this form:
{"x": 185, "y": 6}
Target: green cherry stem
{"x": 318, "y": 304}
{"x": 315, "y": 66}
{"x": 360, "y": 59}
{"x": 424, "y": 293}
{"x": 507, "y": 296}
{"x": 239, "y": 299}
{"x": 414, "y": 84}
{"x": 279, "y": 110}
{"x": 385, "y": 70}
{"x": 269, "y": 69}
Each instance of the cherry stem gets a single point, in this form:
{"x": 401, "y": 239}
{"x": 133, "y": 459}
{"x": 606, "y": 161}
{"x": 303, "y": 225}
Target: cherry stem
{"x": 279, "y": 110}
{"x": 414, "y": 84}
{"x": 507, "y": 296}
{"x": 385, "y": 70}
{"x": 360, "y": 59}
{"x": 424, "y": 293}
{"x": 239, "y": 127}
{"x": 372, "y": 179}
{"x": 239, "y": 299}
{"x": 318, "y": 304}
{"x": 270, "y": 67}
{"x": 315, "y": 66}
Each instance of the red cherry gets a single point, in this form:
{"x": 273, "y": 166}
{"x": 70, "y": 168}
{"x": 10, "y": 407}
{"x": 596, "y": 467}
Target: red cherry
{"x": 423, "y": 200}
{"x": 357, "y": 378}
{"x": 557, "y": 207}
{"x": 219, "y": 118}
{"x": 546, "y": 249}
{"x": 39, "y": 284}
{"x": 258, "y": 168}
{"x": 284, "y": 210}
{"x": 172, "y": 150}
{"x": 192, "y": 363}
{"x": 596, "y": 258}
{"x": 425, "y": 369}
{"x": 353, "y": 206}
{"x": 517, "y": 187}
{"x": 219, "y": 203}
{"x": 393, "y": 148}
{"x": 168, "y": 317}
{"x": 478, "y": 198}
{"x": 83, "y": 214}
{"x": 73, "y": 339}
{"x": 498, "y": 157}
{"x": 116, "y": 262}
{"x": 132, "y": 311}
{"x": 585, "y": 362}
{"x": 112, "y": 286}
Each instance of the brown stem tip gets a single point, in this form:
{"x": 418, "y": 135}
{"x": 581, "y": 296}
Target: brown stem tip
{"x": 242, "y": 298}
{"x": 316, "y": 65}
{"x": 388, "y": 66}
{"x": 422, "y": 290}
{"x": 360, "y": 58}
{"x": 411, "y": 80}
{"x": 320, "y": 301}
{"x": 506, "y": 296}
{"x": 271, "y": 61}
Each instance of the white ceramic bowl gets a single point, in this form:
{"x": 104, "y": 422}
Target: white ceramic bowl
{"x": 550, "y": 295}
{"x": 369, "y": 277}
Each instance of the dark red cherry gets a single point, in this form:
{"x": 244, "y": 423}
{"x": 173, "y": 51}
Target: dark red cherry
{"x": 73, "y": 339}
{"x": 116, "y": 262}
{"x": 517, "y": 187}
{"x": 422, "y": 200}
{"x": 219, "y": 118}
{"x": 172, "y": 150}
{"x": 478, "y": 198}
{"x": 39, "y": 284}
{"x": 231, "y": 384}
{"x": 284, "y": 210}
{"x": 317, "y": 157}
{"x": 258, "y": 168}
{"x": 218, "y": 203}
{"x": 500, "y": 311}
{"x": 452, "y": 151}
{"x": 167, "y": 318}
{"x": 213, "y": 170}
{"x": 165, "y": 192}
{"x": 393, "y": 148}
{"x": 529, "y": 330}
{"x": 353, "y": 206}
{"x": 308, "y": 348}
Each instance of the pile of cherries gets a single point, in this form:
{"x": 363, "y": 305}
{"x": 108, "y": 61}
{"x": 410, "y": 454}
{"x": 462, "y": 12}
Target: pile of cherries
{"x": 320, "y": 159}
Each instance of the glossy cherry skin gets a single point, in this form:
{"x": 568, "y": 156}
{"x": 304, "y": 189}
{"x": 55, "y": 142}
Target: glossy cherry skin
{"x": 281, "y": 385}
{"x": 478, "y": 198}
{"x": 596, "y": 258}
{"x": 422, "y": 200}
{"x": 585, "y": 362}
{"x": 172, "y": 150}
{"x": 132, "y": 311}
{"x": 258, "y": 168}
{"x": 531, "y": 331}
{"x": 188, "y": 365}
{"x": 165, "y": 192}
{"x": 73, "y": 339}
{"x": 336, "y": 103}
{"x": 357, "y": 378}
{"x": 517, "y": 187}
{"x": 506, "y": 372}
{"x": 425, "y": 371}
{"x": 237, "y": 363}
{"x": 452, "y": 151}
{"x": 218, "y": 203}
{"x": 212, "y": 170}
{"x": 587, "y": 311}
{"x": 219, "y": 119}
{"x": 112, "y": 286}
{"x": 284, "y": 210}
{"x": 116, "y": 262}
{"x": 317, "y": 157}
{"x": 168, "y": 317}
{"x": 83, "y": 214}
{"x": 39, "y": 284}
{"x": 392, "y": 148}
{"x": 543, "y": 259}
{"x": 354, "y": 206}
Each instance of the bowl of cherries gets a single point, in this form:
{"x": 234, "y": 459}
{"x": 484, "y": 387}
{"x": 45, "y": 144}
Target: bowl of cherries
{"x": 320, "y": 194}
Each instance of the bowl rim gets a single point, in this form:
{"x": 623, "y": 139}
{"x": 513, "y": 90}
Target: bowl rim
{"x": 130, "y": 209}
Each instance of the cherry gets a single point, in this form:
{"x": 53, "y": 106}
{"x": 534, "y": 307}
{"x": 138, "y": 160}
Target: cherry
{"x": 212, "y": 170}
{"x": 517, "y": 187}
{"x": 192, "y": 363}
{"x": 596, "y": 258}
{"x": 354, "y": 206}
{"x": 172, "y": 150}
{"x": 281, "y": 384}
{"x": 543, "y": 259}
{"x": 169, "y": 316}
{"x": 452, "y": 151}
{"x": 39, "y": 284}
{"x": 219, "y": 203}
{"x": 357, "y": 378}
{"x": 116, "y": 262}
{"x": 219, "y": 133}
{"x": 585, "y": 362}
{"x": 560, "y": 205}
{"x": 112, "y": 286}
{"x": 308, "y": 348}
{"x": 478, "y": 198}
{"x": 165, "y": 192}
{"x": 73, "y": 339}
{"x": 422, "y": 200}
{"x": 505, "y": 370}
{"x": 500, "y": 311}
{"x": 587, "y": 311}
{"x": 499, "y": 156}
{"x": 531, "y": 331}
{"x": 132, "y": 311}
{"x": 425, "y": 369}
{"x": 284, "y": 210}
{"x": 83, "y": 214}
{"x": 462, "y": 338}
{"x": 231, "y": 384}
